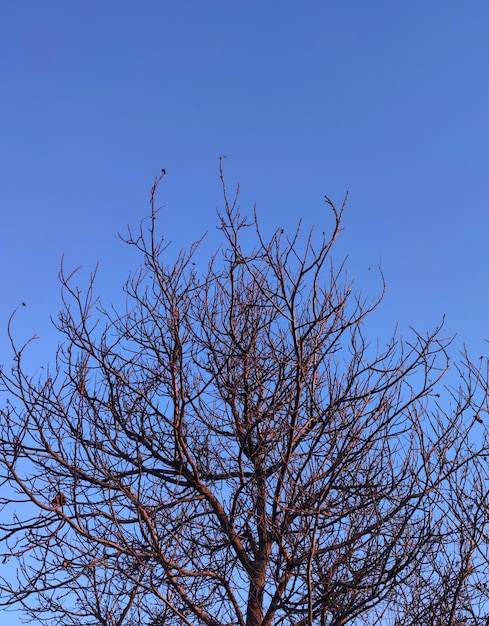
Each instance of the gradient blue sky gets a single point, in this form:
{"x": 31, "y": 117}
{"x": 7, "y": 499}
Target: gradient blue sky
{"x": 388, "y": 100}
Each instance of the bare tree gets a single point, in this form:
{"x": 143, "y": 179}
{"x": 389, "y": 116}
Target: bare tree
{"x": 231, "y": 450}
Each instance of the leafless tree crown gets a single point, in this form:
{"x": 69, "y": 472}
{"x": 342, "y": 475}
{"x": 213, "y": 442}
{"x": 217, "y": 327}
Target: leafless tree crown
{"x": 232, "y": 450}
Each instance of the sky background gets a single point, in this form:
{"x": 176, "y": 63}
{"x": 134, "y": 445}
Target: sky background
{"x": 387, "y": 100}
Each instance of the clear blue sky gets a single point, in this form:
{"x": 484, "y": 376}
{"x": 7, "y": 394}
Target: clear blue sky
{"x": 389, "y": 100}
